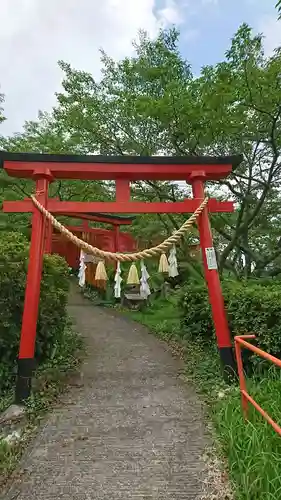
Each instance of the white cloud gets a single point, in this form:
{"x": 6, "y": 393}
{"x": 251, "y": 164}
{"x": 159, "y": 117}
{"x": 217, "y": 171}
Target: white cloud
{"x": 271, "y": 28}
{"x": 35, "y": 34}
{"x": 170, "y": 14}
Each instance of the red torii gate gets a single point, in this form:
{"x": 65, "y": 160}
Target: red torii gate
{"x": 112, "y": 240}
{"x": 45, "y": 168}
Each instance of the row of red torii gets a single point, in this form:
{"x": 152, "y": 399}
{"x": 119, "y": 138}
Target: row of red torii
{"x": 45, "y": 168}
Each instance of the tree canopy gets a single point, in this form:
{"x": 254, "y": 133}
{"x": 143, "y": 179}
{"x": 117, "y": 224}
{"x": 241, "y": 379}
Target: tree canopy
{"x": 151, "y": 103}
{"x": 278, "y": 7}
{"x": 2, "y": 118}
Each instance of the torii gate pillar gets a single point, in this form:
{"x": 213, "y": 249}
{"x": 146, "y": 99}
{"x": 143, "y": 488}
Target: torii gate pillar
{"x": 26, "y": 360}
{"x": 212, "y": 278}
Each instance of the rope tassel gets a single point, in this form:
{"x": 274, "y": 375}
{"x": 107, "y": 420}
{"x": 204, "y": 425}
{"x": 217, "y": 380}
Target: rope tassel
{"x": 173, "y": 264}
{"x": 163, "y": 264}
{"x": 133, "y": 276}
{"x": 82, "y": 270}
{"x": 144, "y": 286}
{"x": 118, "y": 280}
{"x": 101, "y": 274}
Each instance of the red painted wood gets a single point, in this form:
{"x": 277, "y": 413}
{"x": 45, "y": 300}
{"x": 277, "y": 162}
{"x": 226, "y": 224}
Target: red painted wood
{"x": 122, "y": 190}
{"x": 113, "y": 171}
{"x": 32, "y": 291}
{"x": 100, "y": 218}
{"x": 62, "y": 207}
{"x": 66, "y": 249}
{"x": 48, "y": 236}
{"x": 116, "y": 238}
{"x": 240, "y": 342}
{"x": 211, "y": 275}
{"x": 101, "y": 238}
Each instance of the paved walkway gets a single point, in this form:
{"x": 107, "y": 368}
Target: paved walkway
{"x": 133, "y": 430}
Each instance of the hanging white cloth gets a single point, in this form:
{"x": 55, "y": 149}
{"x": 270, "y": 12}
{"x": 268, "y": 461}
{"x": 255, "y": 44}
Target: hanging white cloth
{"x": 173, "y": 263}
{"x": 144, "y": 286}
{"x": 82, "y": 269}
{"x": 118, "y": 280}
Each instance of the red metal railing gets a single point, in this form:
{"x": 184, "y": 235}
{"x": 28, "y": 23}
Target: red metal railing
{"x": 240, "y": 341}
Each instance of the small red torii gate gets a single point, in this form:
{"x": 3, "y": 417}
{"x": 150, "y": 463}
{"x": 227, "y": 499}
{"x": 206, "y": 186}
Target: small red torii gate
{"x": 112, "y": 240}
{"x": 45, "y": 168}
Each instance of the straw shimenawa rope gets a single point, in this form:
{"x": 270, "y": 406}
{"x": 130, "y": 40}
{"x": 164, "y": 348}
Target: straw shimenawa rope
{"x": 123, "y": 257}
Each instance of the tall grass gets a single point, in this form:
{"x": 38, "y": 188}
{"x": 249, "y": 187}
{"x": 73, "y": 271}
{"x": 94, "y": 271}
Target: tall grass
{"x": 252, "y": 448}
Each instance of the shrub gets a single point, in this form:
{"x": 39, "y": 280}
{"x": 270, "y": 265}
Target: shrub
{"x": 52, "y": 320}
{"x": 53, "y": 301}
{"x": 252, "y": 306}
{"x": 196, "y": 312}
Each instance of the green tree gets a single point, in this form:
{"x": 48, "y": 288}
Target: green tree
{"x": 152, "y": 104}
{"x": 278, "y": 7}
{"x": 42, "y": 136}
{"x": 2, "y": 118}
{"x": 248, "y": 96}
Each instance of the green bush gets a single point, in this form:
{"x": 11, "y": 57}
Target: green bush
{"x": 52, "y": 320}
{"x": 252, "y": 306}
{"x": 196, "y": 312}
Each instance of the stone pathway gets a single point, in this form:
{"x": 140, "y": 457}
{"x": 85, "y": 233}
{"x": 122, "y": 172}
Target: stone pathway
{"x": 133, "y": 430}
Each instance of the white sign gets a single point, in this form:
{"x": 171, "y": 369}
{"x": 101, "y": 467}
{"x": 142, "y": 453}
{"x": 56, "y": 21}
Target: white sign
{"x": 211, "y": 258}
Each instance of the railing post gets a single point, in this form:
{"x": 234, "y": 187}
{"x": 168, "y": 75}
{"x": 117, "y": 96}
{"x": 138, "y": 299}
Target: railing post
{"x": 242, "y": 380}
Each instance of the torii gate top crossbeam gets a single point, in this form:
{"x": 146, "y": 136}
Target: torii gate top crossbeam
{"x": 91, "y": 167}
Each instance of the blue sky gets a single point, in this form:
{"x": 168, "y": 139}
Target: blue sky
{"x": 208, "y": 27}
{"x": 35, "y": 34}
